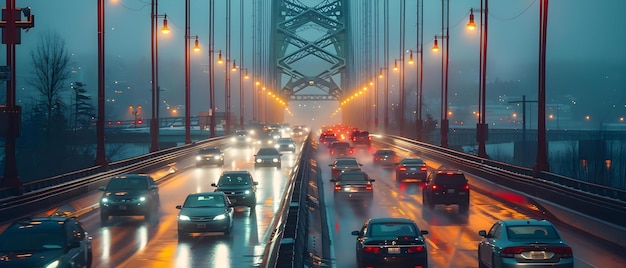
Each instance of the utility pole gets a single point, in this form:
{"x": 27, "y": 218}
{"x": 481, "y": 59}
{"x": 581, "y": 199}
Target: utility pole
{"x": 11, "y": 113}
{"x": 523, "y": 102}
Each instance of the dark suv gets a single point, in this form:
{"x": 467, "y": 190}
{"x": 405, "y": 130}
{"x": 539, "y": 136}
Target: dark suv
{"x": 446, "y": 187}
{"x": 45, "y": 242}
{"x": 361, "y": 138}
{"x": 239, "y": 186}
{"x": 128, "y": 195}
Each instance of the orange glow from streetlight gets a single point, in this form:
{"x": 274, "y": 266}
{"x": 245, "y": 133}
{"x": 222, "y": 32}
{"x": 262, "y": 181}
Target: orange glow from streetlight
{"x": 436, "y": 45}
{"x": 471, "y": 25}
{"x": 165, "y": 29}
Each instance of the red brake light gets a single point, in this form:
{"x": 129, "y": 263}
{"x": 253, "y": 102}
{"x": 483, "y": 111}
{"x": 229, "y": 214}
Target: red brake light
{"x": 351, "y": 151}
{"x": 423, "y": 168}
{"x": 368, "y": 187}
{"x": 373, "y": 250}
{"x": 434, "y": 186}
{"x": 416, "y": 249}
{"x": 511, "y": 251}
{"x": 402, "y": 168}
{"x": 466, "y": 186}
{"x": 337, "y": 188}
{"x": 565, "y": 252}
{"x": 332, "y": 151}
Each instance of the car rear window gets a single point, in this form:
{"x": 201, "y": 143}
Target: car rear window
{"x": 450, "y": 178}
{"x": 347, "y": 162}
{"x": 413, "y": 162}
{"x": 532, "y": 232}
{"x": 392, "y": 229}
{"x": 341, "y": 145}
{"x": 353, "y": 177}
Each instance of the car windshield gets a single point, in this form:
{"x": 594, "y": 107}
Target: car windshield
{"x": 354, "y": 177}
{"x": 267, "y": 151}
{"x": 27, "y": 239}
{"x": 234, "y": 180}
{"x": 199, "y": 201}
{"x": 285, "y": 140}
{"x": 451, "y": 179}
{"x": 531, "y": 232}
{"x": 392, "y": 229}
{"x": 127, "y": 184}
{"x": 210, "y": 151}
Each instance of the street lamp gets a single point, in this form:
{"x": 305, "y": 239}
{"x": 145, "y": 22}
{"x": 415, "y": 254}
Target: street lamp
{"x": 233, "y": 68}
{"x": 242, "y": 75}
{"x": 196, "y": 48}
{"x": 444, "y": 88}
{"x": 154, "y": 121}
{"x": 481, "y": 126}
{"x": 386, "y": 98}
{"x": 212, "y": 88}
{"x": 401, "y": 96}
{"x": 135, "y": 111}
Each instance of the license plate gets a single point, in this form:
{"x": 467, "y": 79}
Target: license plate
{"x": 393, "y": 250}
{"x": 346, "y": 189}
{"x": 413, "y": 169}
{"x": 450, "y": 191}
{"x": 122, "y": 207}
{"x": 201, "y": 225}
{"x": 538, "y": 255}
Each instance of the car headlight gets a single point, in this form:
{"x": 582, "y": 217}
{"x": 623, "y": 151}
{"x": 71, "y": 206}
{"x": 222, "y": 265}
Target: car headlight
{"x": 198, "y": 158}
{"x": 233, "y": 139}
{"x": 142, "y": 199}
{"x": 258, "y": 160}
{"x": 105, "y": 200}
{"x": 217, "y": 157}
{"x": 219, "y": 217}
{"x": 53, "y": 264}
{"x": 275, "y": 160}
{"x": 183, "y": 218}
{"x": 291, "y": 146}
{"x": 247, "y": 192}
{"x": 276, "y": 146}
{"x": 248, "y": 139}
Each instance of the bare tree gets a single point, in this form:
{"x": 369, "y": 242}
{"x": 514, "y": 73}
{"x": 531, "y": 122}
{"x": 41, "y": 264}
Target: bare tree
{"x": 51, "y": 70}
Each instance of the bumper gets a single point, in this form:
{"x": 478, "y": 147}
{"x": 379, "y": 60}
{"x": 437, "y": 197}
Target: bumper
{"x": 242, "y": 200}
{"x": 449, "y": 200}
{"x": 210, "y": 162}
{"x": 511, "y": 263}
{"x": 124, "y": 209}
{"x": 203, "y": 227}
{"x": 411, "y": 177}
{"x": 413, "y": 260}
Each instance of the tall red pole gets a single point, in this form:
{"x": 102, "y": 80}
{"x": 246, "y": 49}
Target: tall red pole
{"x": 542, "y": 146}
{"x": 100, "y": 154}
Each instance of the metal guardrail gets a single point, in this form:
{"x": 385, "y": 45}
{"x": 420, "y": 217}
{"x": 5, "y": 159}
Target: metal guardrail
{"x": 46, "y": 193}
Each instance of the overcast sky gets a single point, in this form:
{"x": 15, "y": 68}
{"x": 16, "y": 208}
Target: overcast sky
{"x": 579, "y": 31}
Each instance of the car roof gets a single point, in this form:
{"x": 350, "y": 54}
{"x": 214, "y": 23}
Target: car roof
{"x": 207, "y": 193}
{"x": 390, "y": 220}
{"x": 235, "y": 172}
{"x": 517, "y": 222}
{"x": 268, "y": 149}
{"x": 43, "y": 222}
{"x": 132, "y": 176}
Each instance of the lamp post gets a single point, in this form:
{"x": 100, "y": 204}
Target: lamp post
{"x": 445, "y": 14}
{"x": 419, "y": 124}
{"x": 401, "y": 95}
{"x": 135, "y": 111}
{"x": 212, "y": 87}
{"x": 542, "y": 144}
{"x": 481, "y": 126}
{"x": 154, "y": 121}
{"x": 242, "y": 75}
{"x": 100, "y": 148}
{"x": 233, "y": 68}
{"x": 382, "y": 75}
{"x": 187, "y": 82}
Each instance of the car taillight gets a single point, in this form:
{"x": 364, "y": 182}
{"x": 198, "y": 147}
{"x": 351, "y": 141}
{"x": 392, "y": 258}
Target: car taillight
{"x": 423, "y": 168}
{"x": 373, "y": 250}
{"x": 337, "y": 188}
{"x": 403, "y": 168}
{"x": 332, "y": 151}
{"x": 434, "y": 186}
{"x": 416, "y": 249}
{"x": 368, "y": 187}
{"x": 351, "y": 151}
{"x": 466, "y": 186}
{"x": 510, "y": 252}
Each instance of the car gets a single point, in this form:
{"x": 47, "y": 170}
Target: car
{"x": 326, "y": 135}
{"x": 205, "y": 212}
{"x": 210, "y": 156}
{"x": 285, "y": 145}
{"x": 128, "y": 195}
{"x": 267, "y": 157}
{"x": 329, "y": 140}
{"x": 391, "y": 242}
{"x": 239, "y": 186}
{"x": 523, "y": 243}
{"x": 341, "y": 149}
{"x": 411, "y": 170}
{"x": 343, "y": 164}
{"x": 353, "y": 184}
{"x": 241, "y": 139}
{"x": 299, "y": 131}
{"x": 265, "y": 138}
{"x": 446, "y": 187}
{"x": 56, "y": 241}
{"x": 360, "y": 137}
{"x": 385, "y": 157}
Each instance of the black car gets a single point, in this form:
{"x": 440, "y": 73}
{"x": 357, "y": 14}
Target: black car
{"x": 361, "y": 138}
{"x": 205, "y": 213}
{"x": 210, "y": 156}
{"x": 129, "y": 195}
{"x": 45, "y": 242}
{"x": 343, "y": 164}
{"x": 446, "y": 187}
{"x": 390, "y": 242}
{"x": 241, "y": 139}
{"x": 341, "y": 149}
{"x": 386, "y": 157}
{"x": 267, "y": 157}
{"x": 411, "y": 170}
{"x": 239, "y": 186}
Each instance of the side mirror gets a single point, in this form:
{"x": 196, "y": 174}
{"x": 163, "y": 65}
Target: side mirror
{"x": 357, "y": 233}
{"x": 482, "y": 233}
{"x": 101, "y": 188}
{"x": 179, "y": 207}
{"x": 256, "y": 183}
{"x": 372, "y": 180}
{"x": 423, "y": 232}
{"x": 213, "y": 184}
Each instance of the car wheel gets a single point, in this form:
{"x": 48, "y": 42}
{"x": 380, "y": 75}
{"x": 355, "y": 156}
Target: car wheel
{"x": 182, "y": 236}
{"x": 480, "y": 263}
{"x": 104, "y": 218}
{"x": 89, "y": 259}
